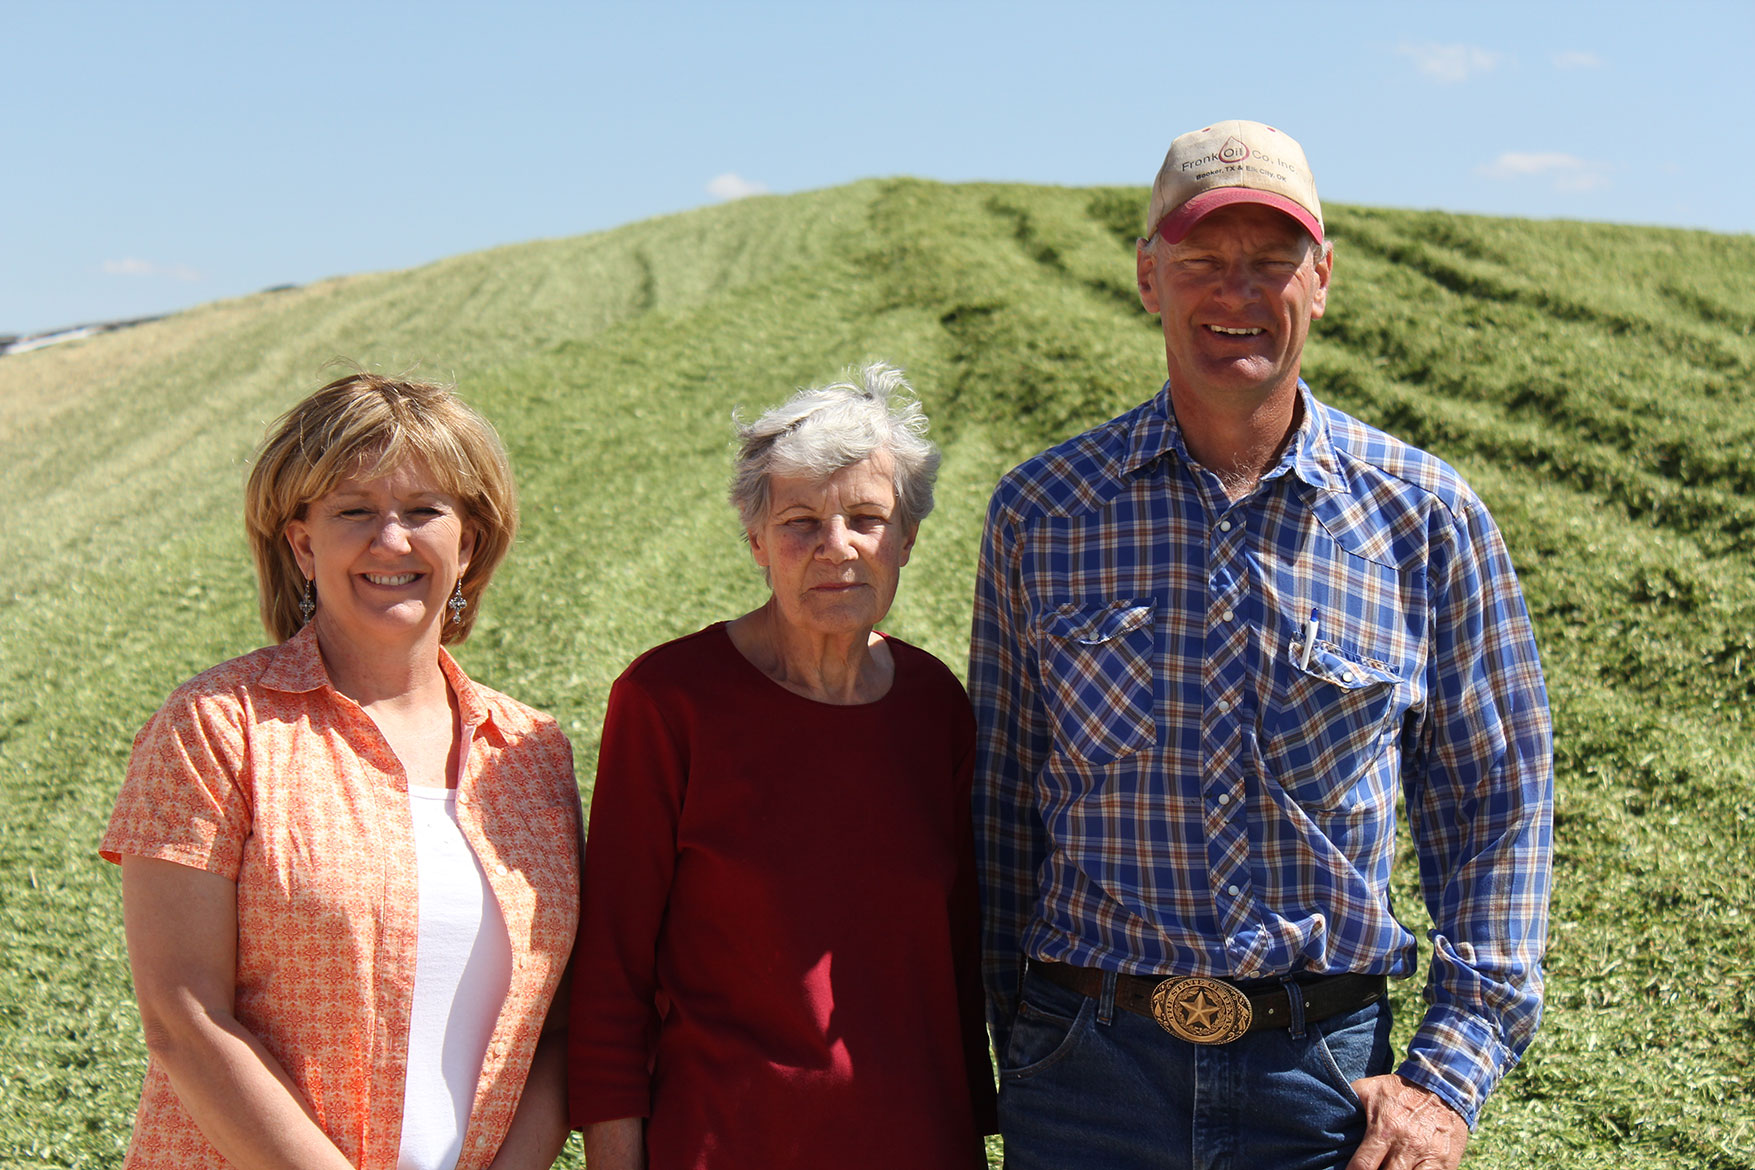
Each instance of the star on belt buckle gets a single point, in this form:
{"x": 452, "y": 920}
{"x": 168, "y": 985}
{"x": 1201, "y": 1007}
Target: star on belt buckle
{"x": 1201, "y": 1010}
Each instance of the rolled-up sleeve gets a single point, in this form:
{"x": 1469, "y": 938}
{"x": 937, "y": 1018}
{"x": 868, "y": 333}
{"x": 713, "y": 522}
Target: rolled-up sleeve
{"x": 630, "y": 861}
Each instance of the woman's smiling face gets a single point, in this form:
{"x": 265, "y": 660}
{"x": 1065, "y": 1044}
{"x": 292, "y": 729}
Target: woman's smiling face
{"x": 385, "y": 554}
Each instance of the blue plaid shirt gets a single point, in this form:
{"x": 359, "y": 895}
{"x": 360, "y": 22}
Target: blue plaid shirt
{"x": 1171, "y": 781}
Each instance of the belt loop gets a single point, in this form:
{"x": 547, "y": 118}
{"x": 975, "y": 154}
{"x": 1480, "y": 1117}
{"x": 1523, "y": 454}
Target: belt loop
{"x": 1295, "y": 1001}
{"x": 1106, "y": 1001}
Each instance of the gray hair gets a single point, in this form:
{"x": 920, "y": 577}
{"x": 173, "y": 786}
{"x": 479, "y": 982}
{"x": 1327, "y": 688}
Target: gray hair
{"x": 822, "y": 429}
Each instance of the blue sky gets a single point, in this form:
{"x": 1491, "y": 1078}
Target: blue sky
{"x": 158, "y": 155}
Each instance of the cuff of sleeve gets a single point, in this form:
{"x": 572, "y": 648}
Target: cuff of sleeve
{"x": 999, "y": 1022}
{"x": 599, "y": 1090}
{"x": 1004, "y": 984}
{"x": 586, "y": 1106}
{"x": 1459, "y": 1057}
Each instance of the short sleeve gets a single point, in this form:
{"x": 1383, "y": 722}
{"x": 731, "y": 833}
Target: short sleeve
{"x": 185, "y": 798}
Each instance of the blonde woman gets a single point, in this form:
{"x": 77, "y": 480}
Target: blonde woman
{"x": 349, "y": 874}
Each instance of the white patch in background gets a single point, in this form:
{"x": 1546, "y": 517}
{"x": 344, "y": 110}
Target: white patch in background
{"x": 26, "y": 344}
{"x": 1577, "y": 59}
{"x": 732, "y": 185}
{"x": 1565, "y": 172}
{"x": 1450, "y": 63}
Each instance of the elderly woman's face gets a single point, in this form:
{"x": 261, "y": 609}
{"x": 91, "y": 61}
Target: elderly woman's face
{"x": 834, "y": 548}
{"x": 385, "y": 554}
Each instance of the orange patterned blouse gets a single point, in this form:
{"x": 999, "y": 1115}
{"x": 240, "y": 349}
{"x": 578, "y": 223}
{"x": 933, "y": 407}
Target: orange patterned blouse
{"x": 260, "y": 771}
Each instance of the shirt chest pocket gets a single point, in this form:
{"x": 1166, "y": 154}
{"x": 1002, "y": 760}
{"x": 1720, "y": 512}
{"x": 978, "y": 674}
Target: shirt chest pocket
{"x": 1097, "y": 678}
{"x": 1329, "y": 723}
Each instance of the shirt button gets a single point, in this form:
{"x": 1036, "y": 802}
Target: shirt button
{"x": 1346, "y": 676}
{"x": 1224, "y": 798}
{"x": 1224, "y": 526}
{"x": 1227, "y": 616}
{"x": 1233, "y": 891}
{"x": 1223, "y": 705}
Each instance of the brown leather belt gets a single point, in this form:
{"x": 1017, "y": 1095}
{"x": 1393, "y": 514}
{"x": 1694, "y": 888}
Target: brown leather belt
{"x": 1213, "y": 1011}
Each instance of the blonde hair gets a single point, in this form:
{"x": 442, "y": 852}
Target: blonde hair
{"x": 369, "y": 425}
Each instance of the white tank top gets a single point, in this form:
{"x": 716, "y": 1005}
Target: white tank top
{"x": 462, "y": 971}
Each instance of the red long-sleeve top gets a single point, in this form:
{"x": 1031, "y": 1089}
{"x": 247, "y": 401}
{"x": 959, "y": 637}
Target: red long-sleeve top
{"x": 778, "y": 951}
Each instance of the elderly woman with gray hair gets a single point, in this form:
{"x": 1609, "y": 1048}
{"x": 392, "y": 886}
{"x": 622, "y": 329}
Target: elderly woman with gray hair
{"x": 778, "y": 956}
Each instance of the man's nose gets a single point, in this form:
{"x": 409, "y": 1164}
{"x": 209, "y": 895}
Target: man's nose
{"x": 1239, "y": 283}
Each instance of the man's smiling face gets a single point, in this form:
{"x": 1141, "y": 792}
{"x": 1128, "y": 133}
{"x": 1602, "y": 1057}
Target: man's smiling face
{"x": 1236, "y": 296}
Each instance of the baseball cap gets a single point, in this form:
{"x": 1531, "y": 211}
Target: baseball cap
{"x": 1226, "y": 163}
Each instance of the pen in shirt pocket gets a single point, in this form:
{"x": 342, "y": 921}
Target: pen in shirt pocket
{"x": 1310, "y": 628}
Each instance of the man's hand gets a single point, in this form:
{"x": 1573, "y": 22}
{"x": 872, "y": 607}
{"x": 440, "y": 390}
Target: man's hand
{"x": 1407, "y": 1127}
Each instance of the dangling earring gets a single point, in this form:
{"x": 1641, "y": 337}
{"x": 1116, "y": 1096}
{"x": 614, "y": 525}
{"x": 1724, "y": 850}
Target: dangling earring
{"x": 308, "y": 603}
{"x": 458, "y": 603}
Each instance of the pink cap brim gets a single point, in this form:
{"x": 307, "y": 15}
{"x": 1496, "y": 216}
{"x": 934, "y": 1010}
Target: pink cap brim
{"x": 1176, "y": 226}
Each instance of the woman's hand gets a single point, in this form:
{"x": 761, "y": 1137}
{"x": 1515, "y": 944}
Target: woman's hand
{"x": 616, "y": 1145}
{"x": 182, "y": 928}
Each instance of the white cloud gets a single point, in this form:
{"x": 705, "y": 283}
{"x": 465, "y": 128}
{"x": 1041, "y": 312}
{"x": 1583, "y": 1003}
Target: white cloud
{"x": 1577, "y": 59}
{"x": 1450, "y": 63}
{"x": 733, "y": 186}
{"x": 1565, "y": 172}
{"x": 136, "y": 267}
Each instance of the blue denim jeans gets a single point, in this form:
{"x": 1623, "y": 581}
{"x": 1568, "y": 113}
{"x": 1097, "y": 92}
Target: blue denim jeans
{"x": 1086, "y": 1084}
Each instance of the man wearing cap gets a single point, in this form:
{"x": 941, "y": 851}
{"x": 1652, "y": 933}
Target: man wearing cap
{"x": 1213, "y": 638}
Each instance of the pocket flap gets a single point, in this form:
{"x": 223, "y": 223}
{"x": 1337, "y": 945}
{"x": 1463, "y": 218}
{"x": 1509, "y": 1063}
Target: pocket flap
{"x": 1092, "y": 625}
{"x": 1328, "y": 663}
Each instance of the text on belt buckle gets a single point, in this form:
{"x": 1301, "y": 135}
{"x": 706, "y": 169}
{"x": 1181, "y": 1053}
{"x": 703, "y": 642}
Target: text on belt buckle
{"x": 1201, "y": 1010}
